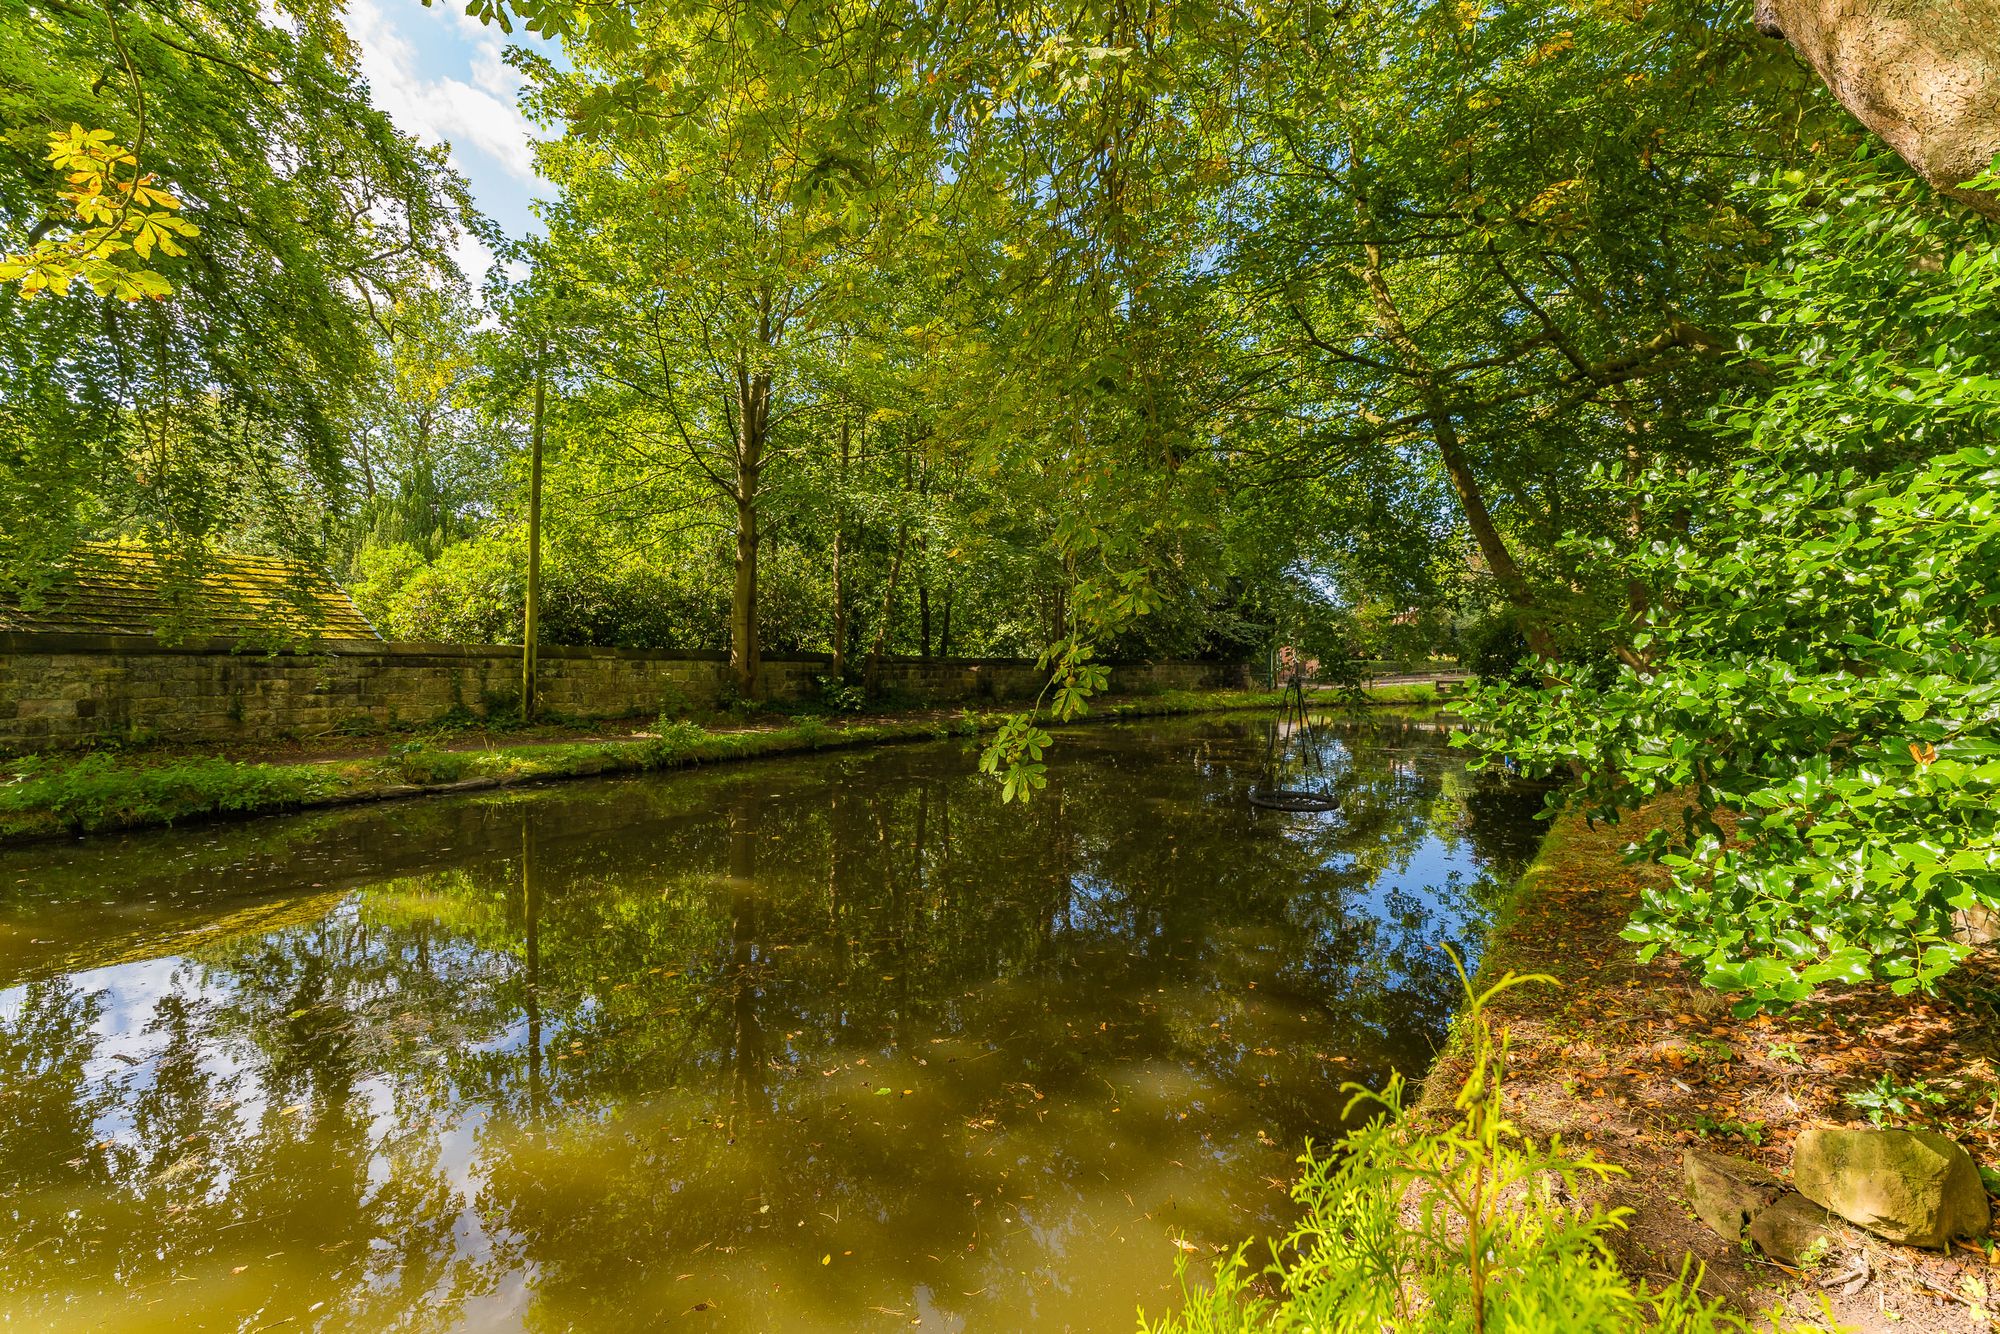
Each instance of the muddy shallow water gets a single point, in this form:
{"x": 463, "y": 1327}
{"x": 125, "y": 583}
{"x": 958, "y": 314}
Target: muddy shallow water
{"x": 832, "y": 1043}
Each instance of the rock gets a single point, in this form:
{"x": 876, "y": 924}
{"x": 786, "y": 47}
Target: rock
{"x": 1912, "y": 1186}
{"x": 1790, "y": 1225}
{"x": 1727, "y": 1192}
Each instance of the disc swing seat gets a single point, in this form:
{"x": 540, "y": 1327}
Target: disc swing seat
{"x": 1295, "y": 776}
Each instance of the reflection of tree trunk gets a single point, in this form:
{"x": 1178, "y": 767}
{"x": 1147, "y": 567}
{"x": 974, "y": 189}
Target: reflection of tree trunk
{"x": 836, "y": 889}
{"x": 531, "y": 899}
{"x": 744, "y": 825}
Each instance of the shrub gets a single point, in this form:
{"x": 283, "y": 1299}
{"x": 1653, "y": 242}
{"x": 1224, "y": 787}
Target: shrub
{"x": 1814, "y": 685}
{"x": 675, "y": 741}
{"x": 423, "y": 761}
{"x": 1461, "y": 1229}
{"x": 837, "y": 696}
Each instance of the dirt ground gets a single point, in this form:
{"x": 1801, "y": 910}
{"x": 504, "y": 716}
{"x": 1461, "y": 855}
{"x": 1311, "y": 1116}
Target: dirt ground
{"x": 1638, "y": 1064}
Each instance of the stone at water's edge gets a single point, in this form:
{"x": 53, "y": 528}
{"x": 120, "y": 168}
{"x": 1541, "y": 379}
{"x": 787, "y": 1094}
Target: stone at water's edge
{"x": 1912, "y": 1186}
{"x": 1727, "y": 1192}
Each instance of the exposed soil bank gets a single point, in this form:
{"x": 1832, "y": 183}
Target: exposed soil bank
{"x": 1637, "y": 1063}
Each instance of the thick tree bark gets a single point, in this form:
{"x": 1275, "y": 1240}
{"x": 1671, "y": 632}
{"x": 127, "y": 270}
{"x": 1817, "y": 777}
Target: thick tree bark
{"x": 1923, "y": 74}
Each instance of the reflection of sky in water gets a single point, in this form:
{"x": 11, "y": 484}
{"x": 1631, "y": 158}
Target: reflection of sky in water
{"x": 1128, "y": 997}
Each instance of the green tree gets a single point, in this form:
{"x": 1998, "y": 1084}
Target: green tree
{"x": 1816, "y": 689}
{"x": 220, "y": 414}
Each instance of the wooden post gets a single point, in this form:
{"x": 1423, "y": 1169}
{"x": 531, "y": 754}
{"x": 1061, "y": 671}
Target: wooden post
{"x": 530, "y": 629}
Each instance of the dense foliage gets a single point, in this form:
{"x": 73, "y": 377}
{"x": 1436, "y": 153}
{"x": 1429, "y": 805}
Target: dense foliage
{"x": 1817, "y": 683}
{"x": 942, "y": 329}
{"x": 223, "y": 413}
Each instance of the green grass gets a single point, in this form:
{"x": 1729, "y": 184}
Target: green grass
{"x": 98, "y": 792}
{"x": 94, "y": 793}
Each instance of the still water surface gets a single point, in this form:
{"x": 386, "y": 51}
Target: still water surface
{"x": 836, "y": 1043}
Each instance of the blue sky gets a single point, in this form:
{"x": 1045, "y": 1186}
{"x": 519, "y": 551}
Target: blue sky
{"x": 441, "y": 75}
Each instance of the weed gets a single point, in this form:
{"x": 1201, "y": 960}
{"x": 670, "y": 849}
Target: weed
{"x": 1465, "y": 1229}
{"x": 423, "y": 762}
{"x": 812, "y": 730}
{"x": 675, "y": 742}
{"x": 1723, "y": 1127}
{"x": 1887, "y": 1099}
{"x": 98, "y": 792}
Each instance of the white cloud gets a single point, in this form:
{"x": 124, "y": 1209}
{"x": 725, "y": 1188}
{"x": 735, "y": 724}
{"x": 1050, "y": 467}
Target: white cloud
{"x": 472, "y": 257}
{"x": 483, "y": 114}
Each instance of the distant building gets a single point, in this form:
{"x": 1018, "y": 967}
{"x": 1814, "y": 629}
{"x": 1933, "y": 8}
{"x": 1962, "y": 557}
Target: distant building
{"x": 123, "y": 588}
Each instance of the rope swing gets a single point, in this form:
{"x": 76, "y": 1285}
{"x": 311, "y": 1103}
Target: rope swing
{"x": 1295, "y": 776}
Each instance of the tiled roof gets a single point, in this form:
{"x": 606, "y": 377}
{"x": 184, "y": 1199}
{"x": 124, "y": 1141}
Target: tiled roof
{"x": 118, "y": 588}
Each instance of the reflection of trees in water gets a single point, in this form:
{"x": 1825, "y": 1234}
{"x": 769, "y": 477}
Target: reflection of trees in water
{"x": 627, "y": 1017}
{"x": 164, "y": 1174}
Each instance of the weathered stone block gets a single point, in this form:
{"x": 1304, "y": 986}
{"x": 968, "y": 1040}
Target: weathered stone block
{"x": 1913, "y": 1186}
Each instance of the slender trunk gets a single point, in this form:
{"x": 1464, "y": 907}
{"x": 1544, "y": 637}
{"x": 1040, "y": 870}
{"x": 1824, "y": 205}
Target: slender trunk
{"x": 839, "y": 614}
{"x": 744, "y": 656}
{"x": 1451, "y": 451}
{"x": 530, "y": 625}
{"x": 924, "y": 619}
{"x": 874, "y": 673}
{"x": 745, "y": 651}
{"x": 839, "y": 574}
{"x": 944, "y": 630}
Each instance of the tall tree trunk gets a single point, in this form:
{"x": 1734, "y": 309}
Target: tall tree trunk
{"x": 531, "y": 630}
{"x": 944, "y": 630}
{"x": 745, "y": 657}
{"x": 1451, "y": 451}
{"x": 839, "y": 573}
{"x": 873, "y": 675}
{"x": 1924, "y": 76}
{"x": 923, "y": 619}
{"x": 753, "y": 418}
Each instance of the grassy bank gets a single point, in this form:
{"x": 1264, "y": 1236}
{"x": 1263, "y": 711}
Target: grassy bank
{"x": 1636, "y": 1063}
{"x": 71, "y": 794}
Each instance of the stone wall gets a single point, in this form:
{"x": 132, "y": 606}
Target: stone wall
{"x": 58, "y": 690}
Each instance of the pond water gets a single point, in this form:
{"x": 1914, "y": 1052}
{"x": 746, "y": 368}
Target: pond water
{"x": 834, "y": 1043}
